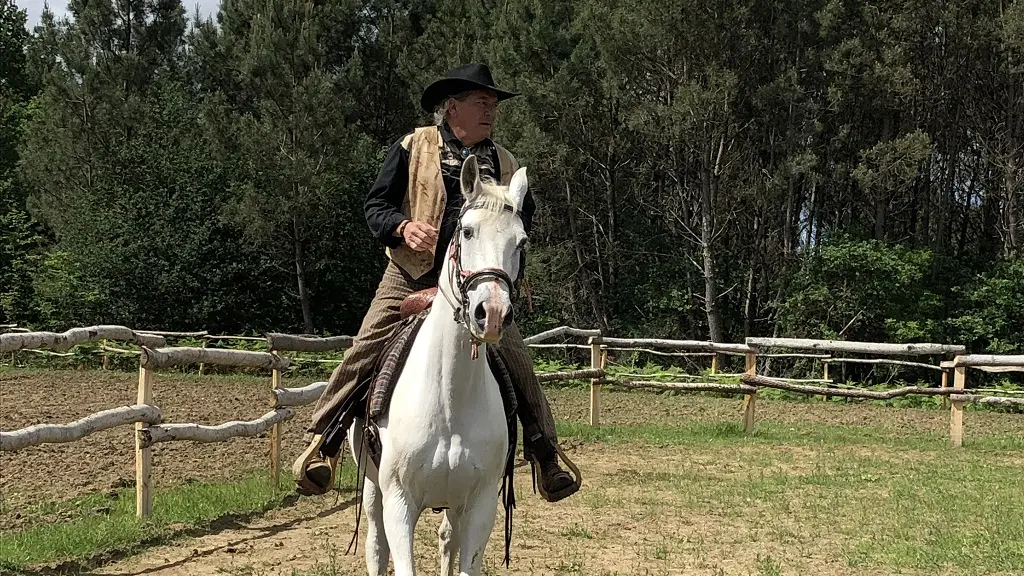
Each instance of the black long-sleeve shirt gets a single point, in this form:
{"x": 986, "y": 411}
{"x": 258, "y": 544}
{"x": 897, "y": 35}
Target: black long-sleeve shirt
{"x": 383, "y": 205}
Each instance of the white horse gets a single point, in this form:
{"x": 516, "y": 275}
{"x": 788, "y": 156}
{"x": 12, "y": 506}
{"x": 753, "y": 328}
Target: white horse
{"x": 444, "y": 439}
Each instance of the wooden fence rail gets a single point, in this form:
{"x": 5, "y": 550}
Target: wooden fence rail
{"x": 146, "y": 416}
{"x": 63, "y": 341}
{"x": 219, "y": 433}
{"x": 957, "y": 402}
{"x": 153, "y": 355}
{"x": 60, "y": 433}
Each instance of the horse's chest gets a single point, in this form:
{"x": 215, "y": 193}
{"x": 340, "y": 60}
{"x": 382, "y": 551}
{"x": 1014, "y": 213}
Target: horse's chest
{"x": 454, "y": 455}
{"x": 449, "y": 466}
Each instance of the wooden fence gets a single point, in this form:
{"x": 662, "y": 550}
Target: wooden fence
{"x": 755, "y": 348}
{"x": 146, "y": 416}
{"x": 154, "y": 355}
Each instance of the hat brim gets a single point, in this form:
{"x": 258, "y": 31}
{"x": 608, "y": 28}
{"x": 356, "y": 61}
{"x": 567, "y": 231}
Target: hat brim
{"x": 438, "y": 90}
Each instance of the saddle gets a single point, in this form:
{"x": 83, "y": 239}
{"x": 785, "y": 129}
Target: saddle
{"x": 417, "y": 302}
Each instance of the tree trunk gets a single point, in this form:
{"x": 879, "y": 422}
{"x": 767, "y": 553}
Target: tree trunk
{"x": 750, "y": 306}
{"x": 595, "y": 301}
{"x": 708, "y": 176}
{"x": 965, "y": 221}
{"x": 880, "y": 213}
{"x": 1011, "y": 214}
{"x": 811, "y": 214}
{"x": 300, "y": 275}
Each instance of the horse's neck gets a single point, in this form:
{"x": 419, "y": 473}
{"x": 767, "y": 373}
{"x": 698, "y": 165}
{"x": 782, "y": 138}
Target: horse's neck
{"x": 450, "y": 362}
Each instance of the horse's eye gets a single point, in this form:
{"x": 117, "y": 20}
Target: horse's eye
{"x": 467, "y": 233}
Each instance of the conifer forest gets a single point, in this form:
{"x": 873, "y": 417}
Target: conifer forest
{"x": 809, "y": 168}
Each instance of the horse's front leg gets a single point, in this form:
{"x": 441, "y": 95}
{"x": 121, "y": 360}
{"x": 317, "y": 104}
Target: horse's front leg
{"x": 448, "y": 535}
{"x": 400, "y": 518}
{"x": 476, "y": 527}
{"x": 377, "y": 550}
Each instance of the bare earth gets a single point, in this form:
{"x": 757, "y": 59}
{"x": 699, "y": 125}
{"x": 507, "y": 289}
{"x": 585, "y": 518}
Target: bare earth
{"x": 620, "y": 523}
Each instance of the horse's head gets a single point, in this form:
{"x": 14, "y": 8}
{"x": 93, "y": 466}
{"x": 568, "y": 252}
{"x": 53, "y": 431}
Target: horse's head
{"x": 485, "y": 251}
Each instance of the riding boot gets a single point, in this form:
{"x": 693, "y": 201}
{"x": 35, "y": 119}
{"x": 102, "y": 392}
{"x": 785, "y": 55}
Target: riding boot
{"x": 540, "y": 440}
{"x": 555, "y": 484}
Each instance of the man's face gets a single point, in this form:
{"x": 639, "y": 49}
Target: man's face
{"x": 475, "y": 115}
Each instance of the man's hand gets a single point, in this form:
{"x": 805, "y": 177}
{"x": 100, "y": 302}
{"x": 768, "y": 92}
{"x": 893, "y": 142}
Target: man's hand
{"x": 419, "y": 236}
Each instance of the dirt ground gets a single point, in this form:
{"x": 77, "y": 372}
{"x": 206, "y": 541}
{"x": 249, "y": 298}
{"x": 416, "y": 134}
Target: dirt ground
{"x": 106, "y": 460}
{"x": 582, "y": 535}
{"x": 598, "y": 531}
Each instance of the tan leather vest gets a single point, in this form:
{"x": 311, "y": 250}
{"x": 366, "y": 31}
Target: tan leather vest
{"x": 425, "y": 198}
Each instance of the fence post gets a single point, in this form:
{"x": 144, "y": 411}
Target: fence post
{"x": 595, "y": 386}
{"x": 143, "y": 456}
{"x": 824, "y": 376}
{"x": 956, "y": 411}
{"x": 945, "y": 380}
{"x": 275, "y": 434}
{"x": 201, "y": 364}
{"x": 750, "y": 400}
{"x": 714, "y": 364}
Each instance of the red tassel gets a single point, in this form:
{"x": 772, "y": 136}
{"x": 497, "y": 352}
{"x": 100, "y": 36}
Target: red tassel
{"x": 529, "y": 295}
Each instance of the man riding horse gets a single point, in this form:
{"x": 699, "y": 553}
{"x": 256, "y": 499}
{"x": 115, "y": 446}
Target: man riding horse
{"x": 412, "y": 209}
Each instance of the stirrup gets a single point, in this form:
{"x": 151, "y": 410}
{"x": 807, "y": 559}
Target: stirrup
{"x": 564, "y": 492}
{"x": 304, "y": 485}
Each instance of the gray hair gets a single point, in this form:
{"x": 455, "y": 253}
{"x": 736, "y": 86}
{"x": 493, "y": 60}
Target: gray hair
{"x": 442, "y": 109}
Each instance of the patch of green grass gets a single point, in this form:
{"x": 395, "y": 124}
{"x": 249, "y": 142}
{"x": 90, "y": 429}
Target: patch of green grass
{"x": 910, "y": 505}
{"x": 768, "y": 566}
{"x": 99, "y": 525}
{"x": 769, "y": 433}
{"x": 577, "y": 530}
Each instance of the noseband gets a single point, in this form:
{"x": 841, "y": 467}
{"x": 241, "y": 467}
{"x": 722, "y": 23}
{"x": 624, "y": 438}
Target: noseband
{"x": 463, "y": 279}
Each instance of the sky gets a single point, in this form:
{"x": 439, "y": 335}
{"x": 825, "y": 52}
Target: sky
{"x": 59, "y": 7}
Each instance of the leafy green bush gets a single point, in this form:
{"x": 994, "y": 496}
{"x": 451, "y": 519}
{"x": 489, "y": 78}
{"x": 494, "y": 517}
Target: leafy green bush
{"x": 863, "y": 290}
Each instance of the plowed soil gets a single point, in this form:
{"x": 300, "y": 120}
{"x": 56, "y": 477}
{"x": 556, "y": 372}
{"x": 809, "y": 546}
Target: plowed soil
{"x": 106, "y": 460}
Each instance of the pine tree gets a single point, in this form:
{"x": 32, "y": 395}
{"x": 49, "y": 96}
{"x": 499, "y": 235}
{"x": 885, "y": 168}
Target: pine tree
{"x": 298, "y": 166}
{"x": 20, "y": 237}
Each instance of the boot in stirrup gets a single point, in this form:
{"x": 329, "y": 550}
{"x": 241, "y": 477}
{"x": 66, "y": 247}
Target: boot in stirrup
{"x": 314, "y": 474}
{"x": 554, "y": 483}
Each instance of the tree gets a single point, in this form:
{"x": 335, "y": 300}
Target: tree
{"x": 285, "y": 105}
{"x": 20, "y": 237}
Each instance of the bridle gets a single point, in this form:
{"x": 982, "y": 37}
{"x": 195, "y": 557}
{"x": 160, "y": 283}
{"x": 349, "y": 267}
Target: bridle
{"x": 461, "y": 280}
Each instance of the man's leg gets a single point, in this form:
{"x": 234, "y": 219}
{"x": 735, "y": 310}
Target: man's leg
{"x": 539, "y": 436}
{"x": 312, "y": 470}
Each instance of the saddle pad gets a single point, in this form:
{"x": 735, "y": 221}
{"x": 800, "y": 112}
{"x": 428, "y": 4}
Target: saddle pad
{"x": 393, "y": 359}
{"x": 390, "y": 363}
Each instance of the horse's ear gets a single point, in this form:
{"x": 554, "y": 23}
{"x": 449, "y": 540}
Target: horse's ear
{"x": 517, "y": 188}
{"x": 470, "y": 177}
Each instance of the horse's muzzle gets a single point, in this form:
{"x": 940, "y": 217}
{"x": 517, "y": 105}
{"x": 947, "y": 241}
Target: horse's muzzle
{"x": 491, "y": 318}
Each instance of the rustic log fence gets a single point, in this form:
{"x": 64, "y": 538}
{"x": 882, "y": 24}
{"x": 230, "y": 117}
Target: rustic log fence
{"x": 153, "y": 355}
{"x": 754, "y": 348}
{"x": 147, "y": 417}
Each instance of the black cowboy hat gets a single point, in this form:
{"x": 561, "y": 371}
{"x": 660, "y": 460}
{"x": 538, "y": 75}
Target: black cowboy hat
{"x": 460, "y": 79}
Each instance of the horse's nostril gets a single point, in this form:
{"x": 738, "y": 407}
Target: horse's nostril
{"x": 508, "y": 318}
{"x": 479, "y": 314}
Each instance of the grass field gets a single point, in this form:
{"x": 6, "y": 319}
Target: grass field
{"x": 672, "y": 485}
